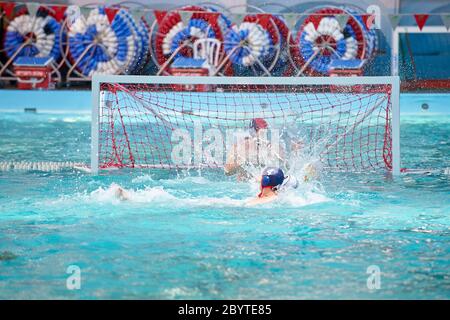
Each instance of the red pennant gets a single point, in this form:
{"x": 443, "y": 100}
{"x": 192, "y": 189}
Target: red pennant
{"x": 315, "y": 19}
{"x": 160, "y": 15}
{"x": 59, "y": 12}
{"x": 212, "y": 17}
{"x": 8, "y": 8}
{"x": 421, "y": 19}
{"x": 368, "y": 20}
{"x": 111, "y": 13}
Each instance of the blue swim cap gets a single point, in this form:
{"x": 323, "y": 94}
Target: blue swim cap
{"x": 272, "y": 177}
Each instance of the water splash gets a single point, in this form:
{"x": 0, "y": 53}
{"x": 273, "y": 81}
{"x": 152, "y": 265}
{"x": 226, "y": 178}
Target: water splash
{"x": 158, "y": 196}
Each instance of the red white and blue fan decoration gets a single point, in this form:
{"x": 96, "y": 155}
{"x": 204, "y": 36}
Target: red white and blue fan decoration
{"x": 253, "y": 45}
{"x": 118, "y": 40}
{"x": 322, "y": 39}
{"x": 144, "y": 35}
{"x": 98, "y": 46}
{"x": 175, "y": 37}
{"x": 283, "y": 62}
{"x": 370, "y": 34}
{"x": 36, "y": 35}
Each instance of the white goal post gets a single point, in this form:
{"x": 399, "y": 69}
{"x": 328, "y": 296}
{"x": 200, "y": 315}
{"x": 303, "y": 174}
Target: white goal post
{"x": 131, "y": 115}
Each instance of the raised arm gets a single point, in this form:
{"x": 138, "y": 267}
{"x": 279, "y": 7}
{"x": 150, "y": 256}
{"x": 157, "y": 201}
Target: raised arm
{"x": 231, "y": 165}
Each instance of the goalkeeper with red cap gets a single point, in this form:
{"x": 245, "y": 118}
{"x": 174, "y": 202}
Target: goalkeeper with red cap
{"x": 273, "y": 181}
{"x": 254, "y": 150}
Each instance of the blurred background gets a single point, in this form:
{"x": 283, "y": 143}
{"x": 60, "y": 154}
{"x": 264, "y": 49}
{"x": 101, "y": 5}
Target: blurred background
{"x": 61, "y": 44}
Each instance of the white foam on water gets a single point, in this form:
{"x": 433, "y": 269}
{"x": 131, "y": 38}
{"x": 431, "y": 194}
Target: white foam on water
{"x": 189, "y": 180}
{"x": 160, "y": 196}
{"x": 68, "y": 118}
{"x": 292, "y": 198}
{"x": 115, "y": 194}
{"x": 178, "y": 180}
{"x": 144, "y": 178}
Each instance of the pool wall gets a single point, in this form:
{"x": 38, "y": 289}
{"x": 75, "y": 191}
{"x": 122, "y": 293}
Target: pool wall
{"x": 77, "y": 101}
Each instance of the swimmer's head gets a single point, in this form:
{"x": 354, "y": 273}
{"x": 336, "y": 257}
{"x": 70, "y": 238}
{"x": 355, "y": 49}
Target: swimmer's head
{"x": 257, "y": 124}
{"x": 272, "y": 177}
{"x": 275, "y": 179}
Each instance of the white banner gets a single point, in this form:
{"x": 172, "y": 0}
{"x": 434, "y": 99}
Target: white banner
{"x": 185, "y": 16}
{"x": 291, "y": 20}
{"x": 446, "y": 20}
{"x": 394, "y": 19}
{"x": 237, "y": 18}
{"x": 342, "y": 20}
{"x": 85, "y": 12}
{"x": 32, "y": 8}
{"x": 136, "y": 14}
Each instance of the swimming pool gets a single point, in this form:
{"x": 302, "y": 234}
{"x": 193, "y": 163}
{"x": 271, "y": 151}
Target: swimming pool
{"x": 191, "y": 237}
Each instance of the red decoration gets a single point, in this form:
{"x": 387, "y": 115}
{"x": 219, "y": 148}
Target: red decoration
{"x": 8, "y": 8}
{"x": 59, "y": 12}
{"x": 160, "y": 15}
{"x": 264, "y": 18}
{"x": 421, "y": 19}
{"x": 368, "y": 20}
{"x": 315, "y": 19}
{"x": 212, "y": 17}
{"x": 111, "y": 13}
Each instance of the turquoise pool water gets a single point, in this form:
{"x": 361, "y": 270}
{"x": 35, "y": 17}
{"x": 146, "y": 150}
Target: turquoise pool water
{"x": 192, "y": 237}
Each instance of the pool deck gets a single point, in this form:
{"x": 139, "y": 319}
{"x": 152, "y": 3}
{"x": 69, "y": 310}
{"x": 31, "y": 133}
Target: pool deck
{"x": 79, "y": 101}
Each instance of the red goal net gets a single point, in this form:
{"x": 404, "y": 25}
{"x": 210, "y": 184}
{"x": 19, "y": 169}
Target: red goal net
{"x": 148, "y": 125}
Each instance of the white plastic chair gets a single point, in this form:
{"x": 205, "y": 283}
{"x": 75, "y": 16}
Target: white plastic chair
{"x": 208, "y": 49}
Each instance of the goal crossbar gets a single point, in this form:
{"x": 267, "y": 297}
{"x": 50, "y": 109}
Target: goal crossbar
{"x": 345, "y": 81}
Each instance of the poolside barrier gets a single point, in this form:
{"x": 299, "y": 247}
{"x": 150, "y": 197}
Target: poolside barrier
{"x": 38, "y": 166}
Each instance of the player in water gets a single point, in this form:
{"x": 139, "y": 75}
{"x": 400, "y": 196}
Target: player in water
{"x": 254, "y": 150}
{"x": 119, "y": 192}
{"x": 273, "y": 181}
